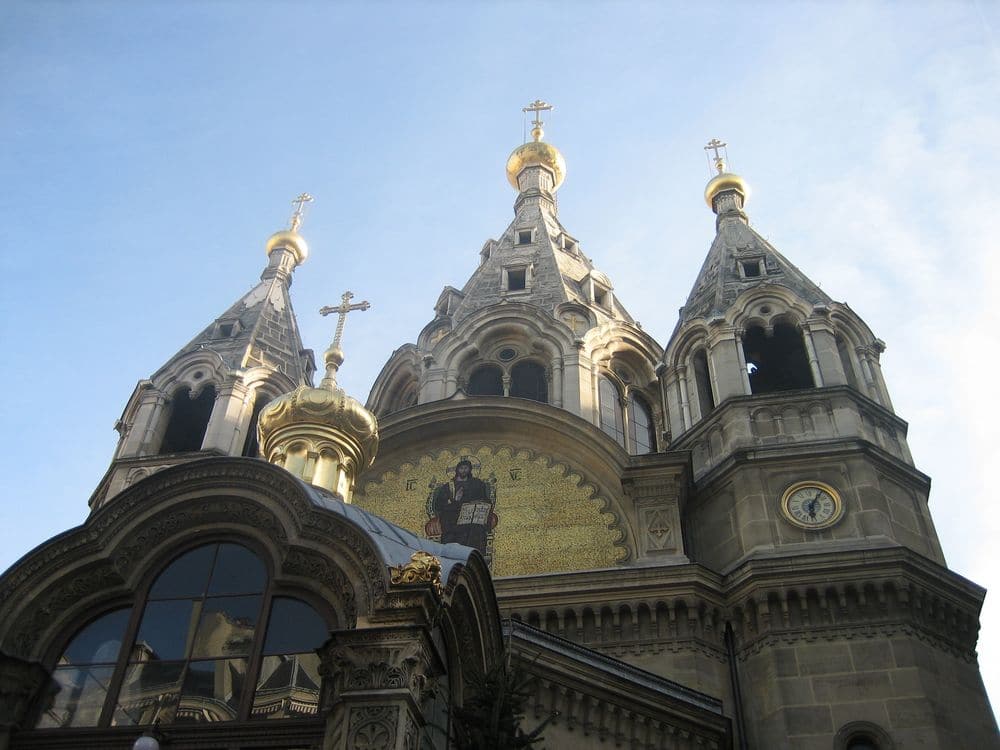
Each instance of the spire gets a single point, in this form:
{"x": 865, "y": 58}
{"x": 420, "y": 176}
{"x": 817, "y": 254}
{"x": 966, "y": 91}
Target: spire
{"x": 260, "y": 329}
{"x": 739, "y": 257}
{"x": 322, "y": 435}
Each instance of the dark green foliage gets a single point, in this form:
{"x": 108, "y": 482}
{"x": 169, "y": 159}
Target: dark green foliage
{"x": 495, "y": 706}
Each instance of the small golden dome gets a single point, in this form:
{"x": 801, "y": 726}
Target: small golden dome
{"x": 536, "y": 153}
{"x": 725, "y": 181}
{"x": 315, "y": 412}
{"x": 289, "y": 240}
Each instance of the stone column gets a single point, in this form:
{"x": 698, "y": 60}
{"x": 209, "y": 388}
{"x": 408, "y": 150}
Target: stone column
{"x": 226, "y": 423}
{"x": 725, "y": 364}
{"x": 20, "y": 684}
{"x": 374, "y": 684}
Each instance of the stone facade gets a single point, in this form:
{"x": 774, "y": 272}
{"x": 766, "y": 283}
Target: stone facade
{"x": 718, "y": 543}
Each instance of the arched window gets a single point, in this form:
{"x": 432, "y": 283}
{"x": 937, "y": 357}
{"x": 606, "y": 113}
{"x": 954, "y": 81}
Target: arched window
{"x": 703, "y": 382}
{"x": 205, "y": 646}
{"x": 486, "y": 381}
{"x": 612, "y": 420}
{"x": 527, "y": 380}
{"x": 777, "y": 362}
{"x": 641, "y": 428}
{"x": 188, "y": 420}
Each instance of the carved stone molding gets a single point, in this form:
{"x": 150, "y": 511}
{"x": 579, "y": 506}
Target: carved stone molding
{"x": 372, "y": 727}
{"x": 380, "y": 659}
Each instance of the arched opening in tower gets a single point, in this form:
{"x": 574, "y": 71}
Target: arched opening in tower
{"x": 251, "y": 446}
{"x": 703, "y": 383}
{"x": 486, "y": 381}
{"x": 188, "y": 420}
{"x": 527, "y": 380}
{"x": 777, "y": 362}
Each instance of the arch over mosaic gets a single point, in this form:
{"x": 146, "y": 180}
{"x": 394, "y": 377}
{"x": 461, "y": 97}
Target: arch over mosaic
{"x": 527, "y": 512}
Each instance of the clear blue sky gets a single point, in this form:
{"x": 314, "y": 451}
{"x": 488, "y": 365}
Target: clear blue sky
{"x": 148, "y": 150}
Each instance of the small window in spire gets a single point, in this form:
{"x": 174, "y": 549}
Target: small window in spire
{"x": 523, "y": 236}
{"x": 516, "y": 279}
{"x": 752, "y": 268}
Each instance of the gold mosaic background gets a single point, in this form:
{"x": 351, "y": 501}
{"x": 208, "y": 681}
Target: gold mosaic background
{"x": 549, "y": 519}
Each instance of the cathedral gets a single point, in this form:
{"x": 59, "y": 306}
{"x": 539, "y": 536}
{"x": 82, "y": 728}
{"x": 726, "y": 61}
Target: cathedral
{"x": 717, "y": 542}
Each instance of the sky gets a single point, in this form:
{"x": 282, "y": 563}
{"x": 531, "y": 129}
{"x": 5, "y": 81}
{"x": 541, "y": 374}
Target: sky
{"x": 149, "y": 149}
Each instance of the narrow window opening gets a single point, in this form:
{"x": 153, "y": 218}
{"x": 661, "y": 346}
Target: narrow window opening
{"x": 524, "y": 237}
{"x": 226, "y": 330}
{"x": 251, "y": 446}
{"x": 527, "y": 380}
{"x": 641, "y": 429}
{"x": 612, "y": 420}
{"x": 777, "y": 362}
{"x": 188, "y": 420}
{"x": 751, "y": 269}
{"x": 845, "y": 362}
{"x": 516, "y": 279}
{"x": 600, "y": 297}
{"x": 569, "y": 246}
{"x": 486, "y": 381}
{"x": 703, "y": 382}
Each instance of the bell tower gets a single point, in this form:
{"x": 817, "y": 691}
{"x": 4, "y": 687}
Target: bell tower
{"x": 206, "y": 399}
{"x": 776, "y": 390}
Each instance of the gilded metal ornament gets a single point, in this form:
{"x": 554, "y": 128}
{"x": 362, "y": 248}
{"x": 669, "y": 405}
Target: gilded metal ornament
{"x": 423, "y": 567}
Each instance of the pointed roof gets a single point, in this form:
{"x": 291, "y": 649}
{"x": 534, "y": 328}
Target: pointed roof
{"x": 258, "y": 330}
{"x": 739, "y": 258}
{"x": 728, "y": 268}
{"x": 556, "y": 271}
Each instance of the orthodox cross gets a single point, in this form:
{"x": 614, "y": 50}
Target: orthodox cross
{"x": 714, "y": 145}
{"x": 538, "y": 106}
{"x": 299, "y": 203}
{"x": 342, "y": 309}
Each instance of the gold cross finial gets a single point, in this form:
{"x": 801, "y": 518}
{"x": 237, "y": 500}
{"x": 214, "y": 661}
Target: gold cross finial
{"x": 538, "y": 106}
{"x": 714, "y": 145}
{"x": 342, "y": 309}
{"x": 299, "y": 204}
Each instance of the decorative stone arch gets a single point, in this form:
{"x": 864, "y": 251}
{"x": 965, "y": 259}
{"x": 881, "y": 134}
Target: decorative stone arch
{"x": 775, "y": 323}
{"x": 856, "y": 730}
{"x": 397, "y": 386}
{"x": 763, "y": 305}
{"x": 481, "y": 338}
{"x": 688, "y": 379}
{"x": 105, "y": 559}
{"x": 859, "y": 351}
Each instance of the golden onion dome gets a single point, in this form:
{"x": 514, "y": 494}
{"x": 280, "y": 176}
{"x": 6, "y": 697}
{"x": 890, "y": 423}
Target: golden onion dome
{"x": 289, "y": 240}
{"x": 725, "y": 181}
{"x": 534, "y": 153}
{"x": 312, "y": 412}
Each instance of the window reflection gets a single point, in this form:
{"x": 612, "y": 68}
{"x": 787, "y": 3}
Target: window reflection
{"x": 212, "y": 691}
{"x": 192, "y": 659}
{"x": 288, "y": 687}
{"x": 149, "y": 693}
{"x": 80, "y": 698}
{"x": 227, "y": 627}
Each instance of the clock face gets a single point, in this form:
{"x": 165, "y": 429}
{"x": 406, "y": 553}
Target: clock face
{"x": 812, "y": 505}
